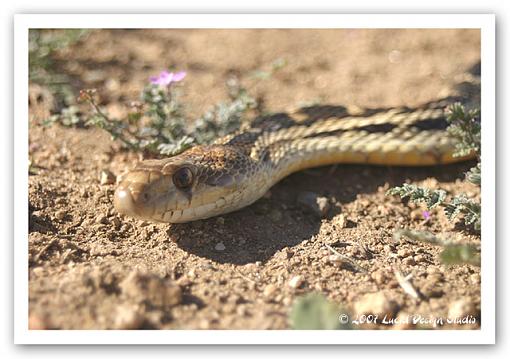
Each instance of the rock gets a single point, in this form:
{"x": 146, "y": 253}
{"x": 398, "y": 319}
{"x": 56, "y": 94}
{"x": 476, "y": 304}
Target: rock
{"x": 145, "y": 287}
{"x": 241, "y": 310}
{"x": 342, "y": 221}
{"x": 285, "y": 254}
{"x": 36, "y": 322}
{"x": 269, "y": 291}
{"x": 219, "y": 247}
{"x": 314, "y": 203}
{"x": 60, "y": 214}
{"x": 379, "y": 277}
{"x": 377, "y": 304}
{"x": 106, "y": 177}
{"x": 475, "y": 278}
{"x": 116, "y": 223}
{"x": 408, "y": 261}
{"x": 404, "y": 252}
{"x": 431, "y": 291}
{"x": 296, "y": 281}
{"x": 337, "y": 260}
{"x": 128, "y": 316}
{"x": 102, "y": 219}
{"x": 461, "y": 308}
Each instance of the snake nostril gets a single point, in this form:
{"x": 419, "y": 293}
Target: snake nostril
{"x": 146, "y": 197}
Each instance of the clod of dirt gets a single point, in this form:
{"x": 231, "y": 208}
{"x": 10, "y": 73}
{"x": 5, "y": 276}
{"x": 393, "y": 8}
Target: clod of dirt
{"x": 314, "y": 203}
{"x": 461, "y": 308}
{"x": 36, "y": 322}
{"x": 106, "y": 177}
{"x": 148, "y": 288}
{"x": 128, "y": 316}
{"x": 342, "y": 221}
{"x": 270, "y": 291}
{"x": 296, "y": 282}
{"x": 220, "y": 247}
{"x": 377, "y": 304}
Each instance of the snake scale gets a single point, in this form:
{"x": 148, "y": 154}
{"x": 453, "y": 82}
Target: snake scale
{"x": 238, "y": 169}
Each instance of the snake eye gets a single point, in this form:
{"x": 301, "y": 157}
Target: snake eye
{"x": 183, "y": 178}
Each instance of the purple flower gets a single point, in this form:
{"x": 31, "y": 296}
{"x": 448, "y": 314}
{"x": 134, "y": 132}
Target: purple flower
{"x": 426, "y": 215}
{"x": 165, "y": 78}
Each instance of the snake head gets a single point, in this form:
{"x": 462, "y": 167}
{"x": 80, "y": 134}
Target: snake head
{"x": 154, "y": 187}
{"x": 200, "y": 183}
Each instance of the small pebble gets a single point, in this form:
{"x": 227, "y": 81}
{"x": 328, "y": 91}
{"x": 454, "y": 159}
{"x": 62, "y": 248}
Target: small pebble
{"x": 84, "y": 193}
{"x": 102, "y": 219}
{"x": 286, "y": 254}
{"x": 378, "y": 277}
{"x": 394, "y": 56}
{"x": 404, "y": 252}
{"x": 220, "y": 247}
{"x": 106, "y": 177}
{"x": 269, "y": 291}
{"x": 431, "y": 291}
{"x": 145, "y": 287}
{"x": 342, "y": 221}
{"x": 475, "y": 278}
{"x": 204, "y": 324}
{"x": 36, "y": 322}
{"x": 296, "y": 281}
{"x": 313, "y": 202}
{"x": 116, "y": 223}
{"x": 287, "y": 301}
{"x": 60, "y": 214}
{"x": 128, "y": 317}
{"x": 461, "y": 308}
{"x": 408, "y": 261}
{"x": 435, "y": 278}
{"x": 377, "y": 304}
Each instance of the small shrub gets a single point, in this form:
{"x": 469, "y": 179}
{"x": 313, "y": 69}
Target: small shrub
{"x": 314, "y": 311}
{"x": 157, "y": 124}
{"x": 465, "y": 126}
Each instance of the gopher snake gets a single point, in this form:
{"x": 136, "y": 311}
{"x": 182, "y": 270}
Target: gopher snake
{"x": 238, "y": 169}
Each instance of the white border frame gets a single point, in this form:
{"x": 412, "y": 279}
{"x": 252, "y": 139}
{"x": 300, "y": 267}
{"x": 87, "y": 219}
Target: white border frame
{"x": 23, "y": 22}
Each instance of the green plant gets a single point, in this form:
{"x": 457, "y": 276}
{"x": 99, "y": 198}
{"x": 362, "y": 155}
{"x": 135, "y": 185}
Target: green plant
{"x": 465, "y": 126}
{"x": 157, "y": 124}
{"x": 452, "y": 253}
{"x": 313, "y": 311}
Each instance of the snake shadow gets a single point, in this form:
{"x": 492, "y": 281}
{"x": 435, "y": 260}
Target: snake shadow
{"x": 257, "y": 232}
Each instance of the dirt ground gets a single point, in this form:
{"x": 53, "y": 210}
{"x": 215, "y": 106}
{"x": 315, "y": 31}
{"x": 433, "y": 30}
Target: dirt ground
{"x": 91, "y": 268}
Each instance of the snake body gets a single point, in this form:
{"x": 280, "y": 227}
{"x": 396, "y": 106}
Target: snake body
{"x": 238, "y": 169}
